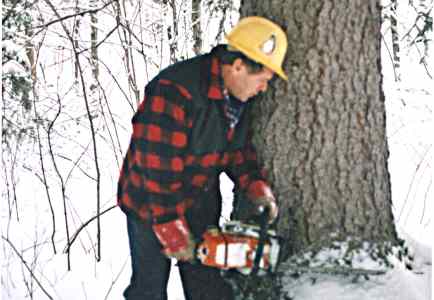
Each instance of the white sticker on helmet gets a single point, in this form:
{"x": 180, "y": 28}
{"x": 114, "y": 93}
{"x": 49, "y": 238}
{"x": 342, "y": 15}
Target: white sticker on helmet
{"x": 269, "y": 45}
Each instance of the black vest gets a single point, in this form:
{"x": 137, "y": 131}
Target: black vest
{"x": 210, "y": 125}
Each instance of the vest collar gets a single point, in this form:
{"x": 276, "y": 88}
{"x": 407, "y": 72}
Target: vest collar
{"x": 212, "y": 86}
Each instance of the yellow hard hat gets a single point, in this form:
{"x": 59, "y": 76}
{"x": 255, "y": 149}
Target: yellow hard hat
{"x": 260, "y": 40}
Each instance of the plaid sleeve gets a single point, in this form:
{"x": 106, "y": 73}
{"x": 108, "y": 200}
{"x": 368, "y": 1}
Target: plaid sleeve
{"x": 151, "y": 179}
{"x": 244, "y": 168}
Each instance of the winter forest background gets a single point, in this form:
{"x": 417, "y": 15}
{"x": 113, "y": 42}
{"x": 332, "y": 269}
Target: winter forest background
{"x": 73, "y": 73}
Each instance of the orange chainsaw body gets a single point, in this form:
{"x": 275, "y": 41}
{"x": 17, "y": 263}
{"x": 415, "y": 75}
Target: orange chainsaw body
{"x": 235, "y": 247}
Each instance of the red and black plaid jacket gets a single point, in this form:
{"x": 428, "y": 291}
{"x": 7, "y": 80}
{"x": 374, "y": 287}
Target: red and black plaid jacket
{"x": 182, "y": 141}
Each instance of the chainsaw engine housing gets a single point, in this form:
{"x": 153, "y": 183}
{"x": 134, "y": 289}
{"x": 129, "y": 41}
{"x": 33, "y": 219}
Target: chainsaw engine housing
{"x": 234, "y": 246}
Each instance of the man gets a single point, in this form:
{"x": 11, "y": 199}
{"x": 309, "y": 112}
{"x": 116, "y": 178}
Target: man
{"x": 191, "y": 126}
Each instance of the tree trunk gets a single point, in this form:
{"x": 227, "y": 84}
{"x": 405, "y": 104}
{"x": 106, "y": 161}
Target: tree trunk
{"x": 392, "y": 16}
{"x": 94, "y": 42}
{"x": 322, "y": 136}
{"x": 173, "y": 32}
{"x": 76, "y": 29}
{"x": 196, "y": 27}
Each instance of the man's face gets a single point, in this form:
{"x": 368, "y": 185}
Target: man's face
{"x": 244, "y": 84}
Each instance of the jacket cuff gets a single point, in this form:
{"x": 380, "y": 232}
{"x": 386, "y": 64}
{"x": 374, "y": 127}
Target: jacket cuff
{"x": 259, "y": 189}
{"x": 174, "y": 235}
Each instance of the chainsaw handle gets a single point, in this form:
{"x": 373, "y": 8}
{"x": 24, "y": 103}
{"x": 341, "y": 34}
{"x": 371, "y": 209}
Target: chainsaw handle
{"x": 261, "y": 209}
{"x": 264, "y": 212}
{"x": 262, "y": 239}
{"x": 271, "y": 207}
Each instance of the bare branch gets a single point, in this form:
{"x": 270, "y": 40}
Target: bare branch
{"x": 126, "y": 36}
{"x": 92, "y": 127}
{"x": 23, "y": 261}
{"x": 424, "y": 200}
{"x": 395, "y": 74}
{"x": 102, "y": 41}
{"x": 81, "y": 13}
{"x": 413, "y": 179}
{"x": 75, "y": 235}
{"x": 44, "y": 177}
{"x": 115, "y": 280}
{"x": 59, "y": 175}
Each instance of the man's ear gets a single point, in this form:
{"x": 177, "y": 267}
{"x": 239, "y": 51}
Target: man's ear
{"x": 238, "y": 64}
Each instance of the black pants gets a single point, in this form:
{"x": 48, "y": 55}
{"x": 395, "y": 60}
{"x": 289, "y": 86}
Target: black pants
{"x": 151, "y": 268}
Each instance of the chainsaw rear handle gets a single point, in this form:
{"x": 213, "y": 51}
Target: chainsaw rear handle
{"x": 262, "y": 239}
{"x": 258, "y": 215}
{"x": 262, "y": 209}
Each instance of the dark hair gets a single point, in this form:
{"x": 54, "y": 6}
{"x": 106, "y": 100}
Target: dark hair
{"x": 227, "y": 57}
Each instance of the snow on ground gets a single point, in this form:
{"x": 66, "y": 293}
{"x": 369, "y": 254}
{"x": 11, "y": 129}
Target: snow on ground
{"x": 398, "y": 283}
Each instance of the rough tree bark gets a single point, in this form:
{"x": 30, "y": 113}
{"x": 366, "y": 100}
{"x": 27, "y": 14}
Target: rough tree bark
{"x": 322, "y": 135}
{"x": 196, "y": 27}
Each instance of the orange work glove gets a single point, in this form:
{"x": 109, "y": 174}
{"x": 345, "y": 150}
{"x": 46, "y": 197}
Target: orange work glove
{"x": 176, "y": 239}
{"x": 260, "y": 194}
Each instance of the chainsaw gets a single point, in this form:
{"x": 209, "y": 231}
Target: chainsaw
{"x": 251, "y": 249}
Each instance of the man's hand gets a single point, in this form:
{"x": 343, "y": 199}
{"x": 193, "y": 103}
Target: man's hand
{"x": 262, "y": 197}
{"x": 176, "y": 239}
{"x": 265, "y": 203}
{"x": 185, "y": 254}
